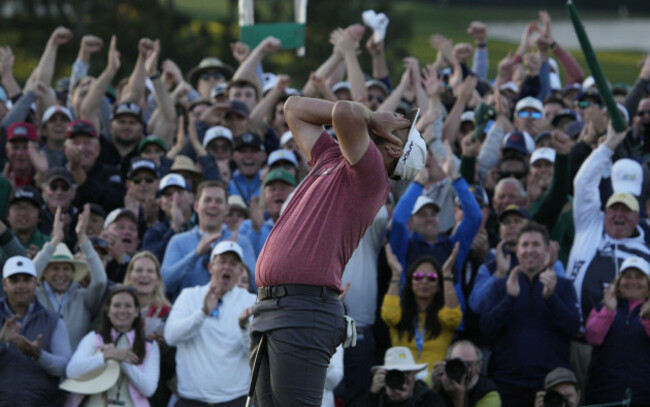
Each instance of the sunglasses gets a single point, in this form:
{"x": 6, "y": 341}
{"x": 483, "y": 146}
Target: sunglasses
{"x": 643, "y": 112}
{"x": 418, "y": 276}
{"x": 214, "y": 75}
{"x": 138, "y": 181}
{"x": 82, "y": 128}
{"x": 532, "y": 115}
{"x": 62, "y": 187}
{"x": 511, "y": 174}
{"x": 379, "y": 99}
{"x": 583, "y": 104}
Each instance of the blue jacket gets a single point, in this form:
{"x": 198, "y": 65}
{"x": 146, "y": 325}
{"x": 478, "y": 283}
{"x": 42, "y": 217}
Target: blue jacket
{"x": 157, "y": 237}
{"x": 27, "y": 382}
{"x": 409, "y": 248}
{"x": 530, "y": 335}
{"x": 485, "y": 279}
{"x": 257, "y": 239}
{"x": 182, "y": 267}
{"x": 622, "y": 360}
{"x": 242, "y": 186}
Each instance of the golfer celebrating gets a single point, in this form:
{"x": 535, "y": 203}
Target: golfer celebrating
{"x": 299, "y": 269}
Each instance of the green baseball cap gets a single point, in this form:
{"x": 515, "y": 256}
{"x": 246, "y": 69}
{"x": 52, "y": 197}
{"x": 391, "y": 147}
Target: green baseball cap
{"x": 280, "y": 174}
{"x": 151, "y": 139}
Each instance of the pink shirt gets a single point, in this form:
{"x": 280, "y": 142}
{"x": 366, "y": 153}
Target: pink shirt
{"x": 599, "y": 322}
{"x": 323, "y": 223}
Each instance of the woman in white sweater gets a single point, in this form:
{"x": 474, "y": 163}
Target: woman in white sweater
{"x": 120, "y": 338}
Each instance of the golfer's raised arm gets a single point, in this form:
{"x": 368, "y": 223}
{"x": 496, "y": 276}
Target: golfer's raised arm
{"x": 350, "y": 122}
{"x": 306, "y": 117}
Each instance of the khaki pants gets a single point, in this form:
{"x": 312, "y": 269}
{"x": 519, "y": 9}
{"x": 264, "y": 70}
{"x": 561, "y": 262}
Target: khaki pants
{"x": 580, "y": 360}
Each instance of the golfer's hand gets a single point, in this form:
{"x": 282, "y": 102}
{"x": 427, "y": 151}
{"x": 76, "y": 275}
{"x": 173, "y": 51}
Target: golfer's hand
{"x": 384, "y": 123}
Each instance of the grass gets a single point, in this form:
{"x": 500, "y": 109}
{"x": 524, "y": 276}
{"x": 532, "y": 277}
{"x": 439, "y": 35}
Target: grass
{"x": 452, "y": 21}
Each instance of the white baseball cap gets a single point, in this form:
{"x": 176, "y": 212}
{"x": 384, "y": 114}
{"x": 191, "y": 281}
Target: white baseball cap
{"x": 414, "y": 154}
{"x": 637, "y": 263}
{"x": 627, "y": 176}
{"x": 173, "y": 180}
{"x": 543, "y": 153}
{"x": 286, "y": 136}
{"x": 18, "y": 265}
{"x": 282, "y": 155}
{"x": 529, "y": 102}
{"x": 216, "y": 132}
{"x": 467, "y": 116}
{"x": 422, "y": 201}
{"x": 226, "y": 246}
{"x": 52, "y": 110}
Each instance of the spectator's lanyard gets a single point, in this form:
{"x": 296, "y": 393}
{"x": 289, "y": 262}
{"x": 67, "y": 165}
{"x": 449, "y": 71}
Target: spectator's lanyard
{"x": 116, "y": 401}
{"x": 419, "y": 338}
{"x": 251, "y": 191}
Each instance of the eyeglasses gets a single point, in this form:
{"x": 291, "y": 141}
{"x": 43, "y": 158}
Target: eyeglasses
{"x": 379, "y": 99}
{"x": 511, "y": 174}
{"x": 532, "y": 115}
{"x": 418, "y": 276}
{"x": 214, "y": 75}
{"x": 63, "y": 187}
{"x": 583, "y": 104}
{"x": 138, "y": 181}
{"x": 643, "y": 112}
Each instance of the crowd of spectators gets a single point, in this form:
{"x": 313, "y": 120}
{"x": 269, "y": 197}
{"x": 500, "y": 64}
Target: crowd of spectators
{"x": 513, "y": 270}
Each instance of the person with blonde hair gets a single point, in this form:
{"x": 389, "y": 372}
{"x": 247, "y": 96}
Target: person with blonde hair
{"x": 143, "y": 273}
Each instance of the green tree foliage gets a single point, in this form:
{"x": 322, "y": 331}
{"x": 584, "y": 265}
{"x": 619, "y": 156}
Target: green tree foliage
{"x": 27, "y": 25}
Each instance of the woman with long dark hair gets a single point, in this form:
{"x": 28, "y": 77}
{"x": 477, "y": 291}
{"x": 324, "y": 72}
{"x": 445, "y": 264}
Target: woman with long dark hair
{"x": 121, "y": 338}
{"x": 424, "y": 316}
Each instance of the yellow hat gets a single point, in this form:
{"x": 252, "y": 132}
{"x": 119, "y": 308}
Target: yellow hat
{"x": 626, "y": 199}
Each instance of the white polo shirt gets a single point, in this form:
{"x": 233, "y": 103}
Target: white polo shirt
{"x": 211, "y": 358}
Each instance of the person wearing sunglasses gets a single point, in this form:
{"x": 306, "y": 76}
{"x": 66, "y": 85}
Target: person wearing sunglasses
{"x": 377, "y": 93}
{"x": 59, "y": 191}
{"x": 641, "y": 122}
{"x": 426, "y": 313}
{"x": 209, "y": 73}
{"x": 142, "y": 182}
{"x": 528, "y": 113}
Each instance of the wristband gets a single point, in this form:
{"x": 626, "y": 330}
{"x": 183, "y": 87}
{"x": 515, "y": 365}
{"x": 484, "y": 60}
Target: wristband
{"x": 448, "y": 279}
{"x": 481, "y": 45}
{"x": 155, "y": 76}
{"x": 395, "y": 281}
{"x": 553, "y": 44}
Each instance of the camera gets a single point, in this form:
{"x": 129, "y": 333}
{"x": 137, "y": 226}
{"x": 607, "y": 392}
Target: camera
{"x": 554, "y": 399}
{"x": 395, "y": 379}
{"x": 455, "y": 369}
